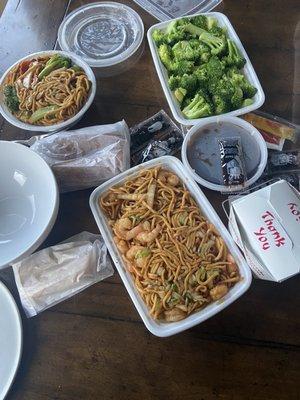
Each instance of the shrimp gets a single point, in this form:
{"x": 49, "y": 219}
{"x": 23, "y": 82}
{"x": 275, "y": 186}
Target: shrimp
{"x": 174, "y": 315}
{"x": 122, "y": 229}
{"x": 218, "y": 292}
{"x": 121, "y": 245}
{"x": 139, "y": 254}
{"x": 148, "y": 237}
{"x": 151, "y": 194}
{"x": 232, "y": 268}
{"x": 131, "y": 196}
{"x": 166, "y": 176}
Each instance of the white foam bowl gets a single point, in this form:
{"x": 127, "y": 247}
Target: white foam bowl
{"x": 162, "y": 73}
{"x": 55, "y": 127}
{"x": 249, "y": 129}
{"x": 28, "y": 201}
{"x": 156, "y": 327}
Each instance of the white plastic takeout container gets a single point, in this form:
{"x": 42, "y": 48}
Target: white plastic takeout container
{"x": 107, "y": 35}
{"x": 55, "y": 127}
{"x": 249, "y": 130}
{"x": 159, "y": 328}
{"x": 248, "y": 71}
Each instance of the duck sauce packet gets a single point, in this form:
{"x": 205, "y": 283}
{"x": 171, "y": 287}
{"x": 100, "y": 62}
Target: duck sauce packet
{"x": 232, "y": 161}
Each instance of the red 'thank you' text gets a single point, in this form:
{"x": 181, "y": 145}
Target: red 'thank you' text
{"x": 261, "y": 233}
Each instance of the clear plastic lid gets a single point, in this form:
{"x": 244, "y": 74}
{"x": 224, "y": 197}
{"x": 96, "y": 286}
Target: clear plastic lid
{"x": 164, "y": 10}
{"x": 103, "y": 34}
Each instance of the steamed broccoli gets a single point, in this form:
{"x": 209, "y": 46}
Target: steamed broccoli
{"x": 189, "y": 82}
{"x": 234, "y": 57}
{"x": 11, "y": 98}
{"x": 179, "y": 94}
{"x": 197, "y": 108}
{"x": 159, "y": 37}
{"x": 184, "y": 51}
{"x": 181, "y": 67}
{"x": 204, "y": 67}
{"x": 165, "y": 54}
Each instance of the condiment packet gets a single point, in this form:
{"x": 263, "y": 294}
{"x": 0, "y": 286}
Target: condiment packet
{"x": 273, "y": 129}
{"x": 155, "y": 137}
{"x": 56, "y": 273}
{"x": 265, "y": 225}
{"x": 232, "y": 161}
{"x": 86, "y": 157}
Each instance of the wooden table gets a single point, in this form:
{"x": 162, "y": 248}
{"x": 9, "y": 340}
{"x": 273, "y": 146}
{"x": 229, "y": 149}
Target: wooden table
{"x": 94, "y": 346}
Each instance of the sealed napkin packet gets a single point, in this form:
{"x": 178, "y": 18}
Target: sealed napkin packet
{"x": 56, "y": 273}
{"x": 266, "y": 225}
{"x": 86, "y": 157}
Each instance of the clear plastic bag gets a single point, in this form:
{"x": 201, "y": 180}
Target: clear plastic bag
{"x": 56, "y": 273}
{"x": 86, "y": 157}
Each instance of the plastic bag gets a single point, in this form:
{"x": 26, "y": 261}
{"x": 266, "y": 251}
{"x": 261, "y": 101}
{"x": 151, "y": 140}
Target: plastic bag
{"x": 86, "y": 157}
{"x": 56, "y": 273}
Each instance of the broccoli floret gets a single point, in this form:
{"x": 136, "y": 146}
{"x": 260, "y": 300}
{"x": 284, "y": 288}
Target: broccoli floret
{"x": 11, "y": 98}
{"x": 239, "y": 80}
{"x": 184, "y": 51}
{"x": 165, "y": 54}
{"x": 189, "y": 82}
{"x": 211, "y": 23}
{"x": 197, "y": 108}
{"x": 180, "y": 94}
{"x": 237, "y": 98}
{"x": 202, "y": 51}
{"x": 223, "y": 88}
{"x": 218, "y": 31}
{"x": 200, "y": 21}
{"x": 216, "y": 44}
{"x": 173, "y": 82}
{"x": 202, "y": 76}
{"x": 247, "y": 102}
{"x": 182, "y": 67}
{"x": 174, "y": 37}
{"x": 215, "y": 69}
{"x": 234, "y": 57}
{"x": 221, "y": 105}
{"x": 159, "y": 37}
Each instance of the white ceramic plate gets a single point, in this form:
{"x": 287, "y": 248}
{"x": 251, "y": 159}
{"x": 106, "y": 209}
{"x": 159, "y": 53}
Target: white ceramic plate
{"x": 10, "y": 339}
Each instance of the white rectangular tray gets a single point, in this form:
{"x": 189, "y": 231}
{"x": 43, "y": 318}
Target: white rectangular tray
{"x": 158, "y": 328}
{"x": 248, "y": 71}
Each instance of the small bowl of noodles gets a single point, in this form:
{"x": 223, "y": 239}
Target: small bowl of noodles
{"x": 47, "y": 91}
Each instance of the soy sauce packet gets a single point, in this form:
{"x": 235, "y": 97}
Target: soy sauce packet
{"x": 232, "y": 161}
{"x": 155, "y": 137}
{"x": 283, "y": 161}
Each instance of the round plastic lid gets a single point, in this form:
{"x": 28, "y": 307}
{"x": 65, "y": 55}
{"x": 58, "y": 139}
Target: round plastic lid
{"x": 103, "y": 34}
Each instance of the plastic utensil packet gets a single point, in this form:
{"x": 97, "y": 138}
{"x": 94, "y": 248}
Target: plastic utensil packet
{"x": 164, "y": 10}
{"x": 56, "y": 273}
{"x": 86, "y": 157}
{"x": 155, "y": 137}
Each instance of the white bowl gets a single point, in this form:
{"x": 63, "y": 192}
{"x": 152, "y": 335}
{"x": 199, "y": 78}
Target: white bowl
{"x": 248, "y": 129}
{"x": 55, "y": 127}
{"x": 28, "y": 201}
{"x": 160, "y": 328}
{"x": 248, "y": 71}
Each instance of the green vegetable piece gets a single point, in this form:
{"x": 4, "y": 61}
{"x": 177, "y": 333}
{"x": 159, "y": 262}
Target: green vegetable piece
{"x": 165, "y": 55}
{"x": 76, "y": 68}
{"x": 199, "y": 107}
{"x": 184, "y": 51}
{"x": 247, "y": 102}
{"x": 159, "y": 37}
{"x": 182, "y": 67}
{"x": 173, "y": 82}
{"x": 234, "y": 57}
{"x": 41, "y": 112}
{"x": 179, "y": 94}
{"x": 55, "y": 62}
{"x": 143, "y": 253}
{"x": 11, "y": 98}
{"x": 201, "y": 21}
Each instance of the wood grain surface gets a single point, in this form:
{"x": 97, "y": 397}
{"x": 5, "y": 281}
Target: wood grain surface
{"x": 94, "y": 346}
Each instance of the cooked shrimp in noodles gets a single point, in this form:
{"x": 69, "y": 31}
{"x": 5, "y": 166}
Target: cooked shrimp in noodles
{"x": 178, "y": 260}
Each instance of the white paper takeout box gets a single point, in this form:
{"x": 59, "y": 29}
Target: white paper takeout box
{"x": 266, "y": 226}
